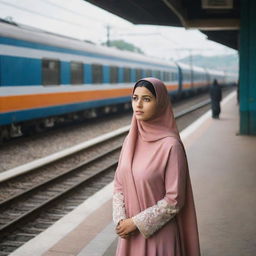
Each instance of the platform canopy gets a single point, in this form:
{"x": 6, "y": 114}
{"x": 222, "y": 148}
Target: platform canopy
{"x": 218, "y": 19}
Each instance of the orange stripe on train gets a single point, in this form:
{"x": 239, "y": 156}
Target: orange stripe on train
{"x": 21, "y": 102}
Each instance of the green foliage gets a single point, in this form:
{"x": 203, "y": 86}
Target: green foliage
{"x": 122, "y": 45}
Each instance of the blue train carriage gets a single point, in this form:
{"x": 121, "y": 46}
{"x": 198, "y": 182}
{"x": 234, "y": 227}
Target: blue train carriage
{"x": 47, "y": 78}
{"x": 224, "y": 79}
{"x": 200, "y": 79}
{"x": 216, "y": 74}
{"x": 184, "y": 79}
{"x": 193, "y": 79}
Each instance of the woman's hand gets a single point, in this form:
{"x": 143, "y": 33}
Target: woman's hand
{"x": 125, "y": 228}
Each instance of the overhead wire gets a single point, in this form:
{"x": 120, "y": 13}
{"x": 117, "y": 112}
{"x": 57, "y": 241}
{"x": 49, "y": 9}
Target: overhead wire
{"x": 43, "y": 15}
{"x": 80, "y": 14}
{"x": 71, "y": 11}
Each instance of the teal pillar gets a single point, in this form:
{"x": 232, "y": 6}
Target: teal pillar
{"x": 248, "y": 67}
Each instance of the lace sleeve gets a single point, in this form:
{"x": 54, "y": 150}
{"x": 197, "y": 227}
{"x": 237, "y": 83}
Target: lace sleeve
{"x": 154, "y": 217}
{"x": 118, "y": 207}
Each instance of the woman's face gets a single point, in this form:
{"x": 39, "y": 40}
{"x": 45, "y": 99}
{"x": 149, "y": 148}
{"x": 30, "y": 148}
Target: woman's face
{"x": 143, "y": 104}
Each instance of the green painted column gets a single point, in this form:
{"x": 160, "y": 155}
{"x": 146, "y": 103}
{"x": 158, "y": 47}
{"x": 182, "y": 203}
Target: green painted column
{"x": 248, "y": 67}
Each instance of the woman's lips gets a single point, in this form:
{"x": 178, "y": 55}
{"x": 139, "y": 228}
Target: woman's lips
{"x": 139, "y": 112}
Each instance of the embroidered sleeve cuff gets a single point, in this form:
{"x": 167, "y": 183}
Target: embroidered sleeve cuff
{"x": 118, "y": 207}
{"x": 154, "y": 217}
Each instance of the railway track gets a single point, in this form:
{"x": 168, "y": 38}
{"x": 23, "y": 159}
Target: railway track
{"x": 38, "y": 196}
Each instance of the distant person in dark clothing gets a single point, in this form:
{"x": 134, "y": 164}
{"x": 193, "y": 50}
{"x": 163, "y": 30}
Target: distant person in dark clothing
{"x": 216, "y": 97}
{"x": 238, "y": 92}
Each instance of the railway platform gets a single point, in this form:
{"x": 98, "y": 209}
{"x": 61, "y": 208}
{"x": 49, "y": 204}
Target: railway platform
{"x": 222, "y": 168}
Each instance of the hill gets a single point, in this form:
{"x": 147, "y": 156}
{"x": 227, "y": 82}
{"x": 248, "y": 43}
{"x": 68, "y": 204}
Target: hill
{"x": 227, "y": 63}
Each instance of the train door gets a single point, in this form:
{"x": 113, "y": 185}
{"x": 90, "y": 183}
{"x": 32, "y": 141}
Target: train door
{"x": 1, "y": 83}
{"x": 180, "y": 79}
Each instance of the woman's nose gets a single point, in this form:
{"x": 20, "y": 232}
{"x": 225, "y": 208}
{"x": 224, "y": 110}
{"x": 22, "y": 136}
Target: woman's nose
{"x": 139, "y": 103}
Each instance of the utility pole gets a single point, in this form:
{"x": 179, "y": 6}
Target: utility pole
{"x": 108, "y": 35}
{"x": 191, "y": 67}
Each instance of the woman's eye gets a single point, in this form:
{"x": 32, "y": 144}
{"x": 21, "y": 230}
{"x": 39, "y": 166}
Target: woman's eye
{"x": 134, "y": 98}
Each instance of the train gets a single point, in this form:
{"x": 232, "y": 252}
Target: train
{"x": 46, "y": 78}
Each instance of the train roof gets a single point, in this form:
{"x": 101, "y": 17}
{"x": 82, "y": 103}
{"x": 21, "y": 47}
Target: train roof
{"x": 185, "y": 66}
{"x": 35, "y": 35}
{"x": 27, "y": 33}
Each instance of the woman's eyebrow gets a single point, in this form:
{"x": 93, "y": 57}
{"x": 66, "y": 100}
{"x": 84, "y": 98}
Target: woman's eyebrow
{"x": 143, "y": 95}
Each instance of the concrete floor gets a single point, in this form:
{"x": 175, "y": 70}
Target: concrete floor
{"x": 223, "y": 173}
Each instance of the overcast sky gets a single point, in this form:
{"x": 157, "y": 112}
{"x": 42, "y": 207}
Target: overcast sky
{"x": 79, "y": 19}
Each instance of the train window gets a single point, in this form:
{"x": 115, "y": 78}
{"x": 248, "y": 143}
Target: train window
{"x": 77, "y": 73}
{"x": 173, "y": 76}
{"x": 157, "y": 74}
{"x": 187, "y": 76}
{"x": 50, "y": 72}
{"x": 148, "y": 73}
{"x": 127, "y": 75}
{"x": 97, "y": 73}
{"x": 165, "y": 76}
{"x": 169, "y": 76}
{"x": 113, "y": 74}
{"x": 138, "y": 74}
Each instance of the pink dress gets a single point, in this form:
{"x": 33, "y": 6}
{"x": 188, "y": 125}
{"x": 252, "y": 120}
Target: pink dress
{"x": 157, "y": 183}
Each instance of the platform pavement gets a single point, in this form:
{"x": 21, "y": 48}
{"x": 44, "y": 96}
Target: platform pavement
{"x": 223, "y": 173}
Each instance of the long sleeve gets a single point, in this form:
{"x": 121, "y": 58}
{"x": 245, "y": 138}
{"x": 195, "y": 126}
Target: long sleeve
{"x": 118, "y": 207}
{"x": 118, "y": 204}
{"x": 153, "y": 218}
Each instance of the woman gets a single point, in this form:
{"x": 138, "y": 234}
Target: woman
{"x": 216, "y": 97}
{"x": 153, "y": 206}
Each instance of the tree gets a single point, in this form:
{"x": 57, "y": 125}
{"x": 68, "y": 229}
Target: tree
{"x": 122, "y": 45}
